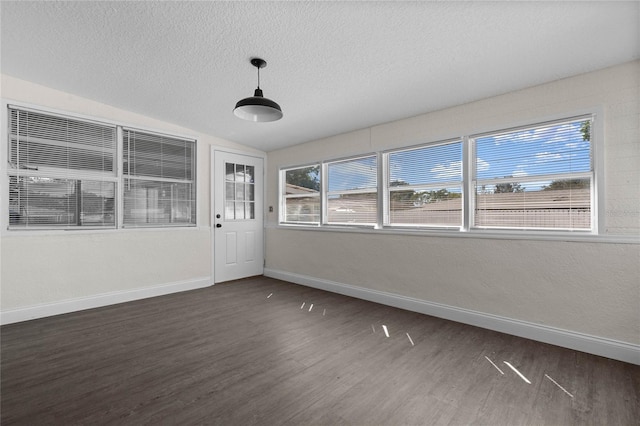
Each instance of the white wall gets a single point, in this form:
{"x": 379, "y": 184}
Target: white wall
{"x": 54, "y": 271}
{"x": 589, "y": 286}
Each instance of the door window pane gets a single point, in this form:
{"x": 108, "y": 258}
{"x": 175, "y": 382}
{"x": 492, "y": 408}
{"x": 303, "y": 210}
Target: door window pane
{"x": 250, "y": 211}
{"x": 239, "y": 191}
{"x": 230, "y": 172}
{"x": 249, "y": 174}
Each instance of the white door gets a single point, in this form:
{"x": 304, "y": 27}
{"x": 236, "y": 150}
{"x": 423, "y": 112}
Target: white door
{"x": 237, "y": 216}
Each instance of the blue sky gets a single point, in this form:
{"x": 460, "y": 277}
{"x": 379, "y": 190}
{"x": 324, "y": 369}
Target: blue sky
{"x": 524, "y": 155}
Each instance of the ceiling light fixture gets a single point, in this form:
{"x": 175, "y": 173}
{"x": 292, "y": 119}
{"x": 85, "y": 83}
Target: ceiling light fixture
{"x": 257, "y": 107}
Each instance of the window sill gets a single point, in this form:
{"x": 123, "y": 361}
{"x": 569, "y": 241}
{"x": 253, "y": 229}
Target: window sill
{"x": 19, "y": 233}
{"x": 583, "y": 237}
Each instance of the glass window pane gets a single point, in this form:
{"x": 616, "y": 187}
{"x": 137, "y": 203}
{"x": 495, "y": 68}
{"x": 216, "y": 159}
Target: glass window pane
{"x": 353, "y": 209}
{"x": 152, "y": 155}
{"x": 230, "y": 191}
{"x": 551, "y": 149}
{"x": 249, "y": 174}
{"x": 426, "y": 165}
{"x": 229, "y": 211}
{"x": 559, "y": 204}
{"x": 97, "y": 203}
{"x": 148, "y": 202}
{"x": 352, "y": 197}
{"x": 38, "y": 139}
{"x": 433, "y": 204}
{"x": 302, "y": 180}
{"x": 54, "y": 203}
{"x": 537, "y": 177}
{"x": 301, "y": 195}
{"x": 360, "y": 173}
{"x": 239, "y": 210}
{"x": 230, "y": 173}
{"x": 239, "y": 173}
{"x": 250, "y": 211}
{"x": 239, "y": 191}
{"x": 302, "y": 209}
{"x": 250, "y": 192}
{"x": 441, "y": 207}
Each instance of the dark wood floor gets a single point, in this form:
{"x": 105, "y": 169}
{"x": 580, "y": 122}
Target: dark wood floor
{"x": 255, "y": 351}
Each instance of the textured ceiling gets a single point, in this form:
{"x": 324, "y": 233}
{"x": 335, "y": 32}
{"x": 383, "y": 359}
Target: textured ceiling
{"x": 332, "y": 66}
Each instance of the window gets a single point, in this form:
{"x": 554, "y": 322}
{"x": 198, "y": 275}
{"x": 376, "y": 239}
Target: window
{"x": 159, "y": 180}
{"x": 240, "y": 202}
{"x": 352, "y": 191}
{"x": 425, "y": 186}
{"x": 535, "y": 178}
{"x": 301, "y": 194}
{"x": 61, "y": 172}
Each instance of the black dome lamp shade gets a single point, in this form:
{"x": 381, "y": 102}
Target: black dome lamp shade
{"x": 257, "y": 107}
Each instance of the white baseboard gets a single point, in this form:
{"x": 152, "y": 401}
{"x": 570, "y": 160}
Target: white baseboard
{"x": 613, "y": 349}
{"x": 96, "y": 301}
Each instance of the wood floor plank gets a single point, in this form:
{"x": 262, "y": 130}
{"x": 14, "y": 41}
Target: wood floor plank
{"x": 262, "y": 351}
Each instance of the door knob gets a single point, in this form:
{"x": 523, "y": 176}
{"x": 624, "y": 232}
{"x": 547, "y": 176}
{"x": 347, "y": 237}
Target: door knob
{"x": 218, "y": 225}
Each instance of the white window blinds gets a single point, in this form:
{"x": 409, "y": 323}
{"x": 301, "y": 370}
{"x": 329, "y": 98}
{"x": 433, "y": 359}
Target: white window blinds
{"x": 61, "y": 172}
{"x": 538, "y": 177}
{"x": 159, "y": 180}
{"x": 425, "y": 186}
{"x": 352, "y": 191}
{"x": 38, "y": 140}
{"x": 146, "y": 154}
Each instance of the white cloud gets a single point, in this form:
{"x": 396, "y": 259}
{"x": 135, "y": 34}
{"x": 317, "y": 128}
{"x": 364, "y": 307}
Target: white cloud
{"x": 561, "y": 133}
{"x": 482, "y": 165}
{"x": 453, "y": 170}
{"x": 525, "y": 135}
{"x": 543, "y": 157}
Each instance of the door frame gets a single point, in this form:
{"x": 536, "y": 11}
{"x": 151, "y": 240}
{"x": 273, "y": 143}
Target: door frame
{"x": 212, "y": 199}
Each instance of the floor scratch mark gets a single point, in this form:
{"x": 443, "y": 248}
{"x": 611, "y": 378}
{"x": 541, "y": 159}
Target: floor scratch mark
{"x": 497, "y": 368}
{"x": 410, "y": 339}
{"x": 517, "y": 372}
{"x": 556, "y": 383}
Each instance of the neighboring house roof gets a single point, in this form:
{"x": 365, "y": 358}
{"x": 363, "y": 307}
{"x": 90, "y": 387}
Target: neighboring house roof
{"x": 295, "y": 189}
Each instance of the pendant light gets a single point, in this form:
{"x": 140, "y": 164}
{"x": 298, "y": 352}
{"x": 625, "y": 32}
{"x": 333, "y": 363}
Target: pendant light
{"x": 257, "y": 107}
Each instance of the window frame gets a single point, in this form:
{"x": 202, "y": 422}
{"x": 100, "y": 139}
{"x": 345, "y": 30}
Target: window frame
{"x": 387, "y": 186}
{"x": 283, "y": 196}
{"x": 592, "y": 175}
{"x": 128, "y": 176}
{"x": 468, "y": 188}
{"x": 117, "y": 176}
{"x": 325, "y": 193}
{"x": 48, "y": 172}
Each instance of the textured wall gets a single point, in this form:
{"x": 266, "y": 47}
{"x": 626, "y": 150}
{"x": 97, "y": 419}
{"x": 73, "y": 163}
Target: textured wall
{"x": 590, "y": 287}
{"x": 40, "y": 268}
